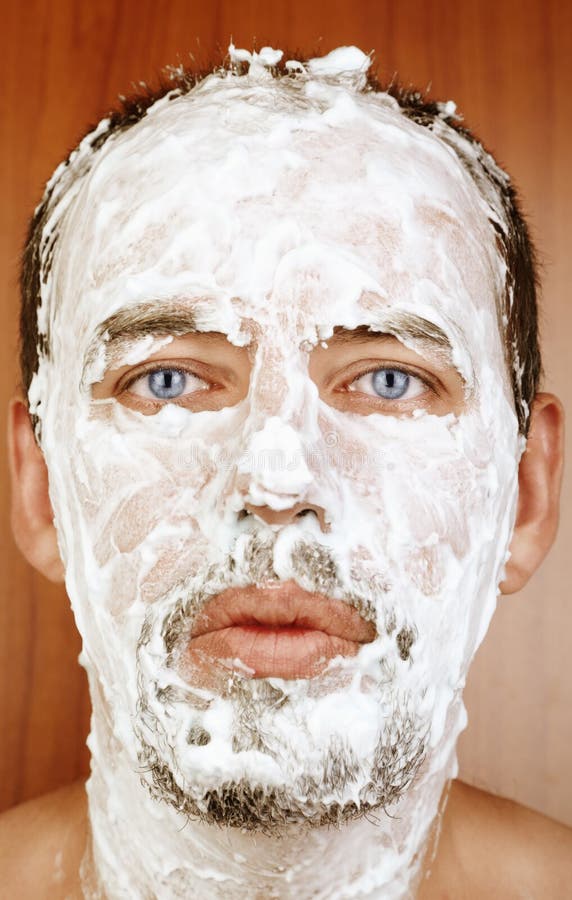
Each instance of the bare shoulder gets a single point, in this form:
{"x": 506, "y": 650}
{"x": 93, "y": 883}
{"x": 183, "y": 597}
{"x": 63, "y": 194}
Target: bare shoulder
{"x": 41, "y": 846}
{"x": 495, "y": 847}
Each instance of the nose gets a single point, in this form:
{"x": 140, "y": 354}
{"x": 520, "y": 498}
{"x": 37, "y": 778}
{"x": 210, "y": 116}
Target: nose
{"x": 287, "y": 516}
{"x": 274, "y": 478}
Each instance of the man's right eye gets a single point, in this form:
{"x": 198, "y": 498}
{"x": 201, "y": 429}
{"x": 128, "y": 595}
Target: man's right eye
{"x": 165, "y": 384}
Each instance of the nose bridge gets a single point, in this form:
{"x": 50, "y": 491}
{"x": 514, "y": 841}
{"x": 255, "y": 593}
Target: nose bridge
{"x": 281, "y": 386}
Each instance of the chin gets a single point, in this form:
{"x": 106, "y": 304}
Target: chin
{"x": 273, "y": 753}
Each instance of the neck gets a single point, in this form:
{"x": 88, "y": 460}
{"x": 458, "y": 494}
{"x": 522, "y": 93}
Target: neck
{"x": 143, "y": 848}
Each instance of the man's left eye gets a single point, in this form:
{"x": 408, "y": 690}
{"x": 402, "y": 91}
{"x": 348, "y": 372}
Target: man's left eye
{"x": 389, "y": 384}
{"x": 166, "y": 384}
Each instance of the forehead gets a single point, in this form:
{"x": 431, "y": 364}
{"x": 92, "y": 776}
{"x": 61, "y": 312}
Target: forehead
{"x": 244, "y": 193}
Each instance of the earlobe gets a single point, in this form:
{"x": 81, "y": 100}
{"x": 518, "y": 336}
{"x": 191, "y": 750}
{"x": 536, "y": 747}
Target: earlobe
{"x": 32, "y": 516}
{"x": 539, "y": 480}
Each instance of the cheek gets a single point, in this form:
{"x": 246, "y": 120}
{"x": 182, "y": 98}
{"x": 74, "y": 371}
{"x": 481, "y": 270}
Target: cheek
{"x": 436, "y": 500}
{"x": 152, "y": 570}
{"x": 411, "y": 499}
{"x": 425, "y": 568}
{"x": 135, "y": 508}
{"x": 139, "y": 500}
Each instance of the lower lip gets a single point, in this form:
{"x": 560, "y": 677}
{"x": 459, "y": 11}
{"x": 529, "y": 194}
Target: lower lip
{"x": 261, "y": 652}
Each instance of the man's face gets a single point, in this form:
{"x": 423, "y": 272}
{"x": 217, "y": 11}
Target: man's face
{"x": 282, "y": 450}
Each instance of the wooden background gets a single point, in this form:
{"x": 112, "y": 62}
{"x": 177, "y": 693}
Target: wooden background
{"x": 507, "y": 65}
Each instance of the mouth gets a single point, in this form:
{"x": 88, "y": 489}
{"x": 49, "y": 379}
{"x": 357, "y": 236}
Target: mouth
{"x": 277, "y": 631}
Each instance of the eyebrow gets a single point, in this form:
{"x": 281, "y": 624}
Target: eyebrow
{"x": 139, "y": 321}
{"x": 405, "y": 327}
{"x": 146, "y": 318}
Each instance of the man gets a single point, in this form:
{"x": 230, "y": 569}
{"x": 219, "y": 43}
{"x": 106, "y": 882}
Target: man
{"x": 280, "y": 363}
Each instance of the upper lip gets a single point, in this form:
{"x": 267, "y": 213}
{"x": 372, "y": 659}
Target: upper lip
{"x": 282, "y": 605}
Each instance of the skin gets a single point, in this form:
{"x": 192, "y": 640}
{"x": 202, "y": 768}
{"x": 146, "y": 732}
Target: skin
{"x": 221, "y": 375}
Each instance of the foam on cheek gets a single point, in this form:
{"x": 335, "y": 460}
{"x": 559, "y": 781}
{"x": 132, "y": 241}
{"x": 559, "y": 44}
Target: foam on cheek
{"x": 418, "y": 511}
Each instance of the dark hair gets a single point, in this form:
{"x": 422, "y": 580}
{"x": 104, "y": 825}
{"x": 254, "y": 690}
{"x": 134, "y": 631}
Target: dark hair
{"x": 518, "y": 315}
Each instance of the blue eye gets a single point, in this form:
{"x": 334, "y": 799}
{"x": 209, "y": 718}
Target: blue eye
{"x": 391, "y": 384}
{"x": 166, "y": 384}
{"x": 386, "y": 383}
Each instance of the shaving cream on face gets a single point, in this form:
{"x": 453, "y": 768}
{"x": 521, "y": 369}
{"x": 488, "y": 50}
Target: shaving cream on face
{"x": 275, "y": 213}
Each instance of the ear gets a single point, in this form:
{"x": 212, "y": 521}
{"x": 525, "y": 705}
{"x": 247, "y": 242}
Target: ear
{"x": 539, "y": 480}
{"x": 32, "y": 516}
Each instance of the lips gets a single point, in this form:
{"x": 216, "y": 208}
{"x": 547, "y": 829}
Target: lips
{"x": 277, "y": 630}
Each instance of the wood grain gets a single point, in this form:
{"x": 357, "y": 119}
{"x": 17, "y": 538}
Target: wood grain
{"x": 508, "y": 66}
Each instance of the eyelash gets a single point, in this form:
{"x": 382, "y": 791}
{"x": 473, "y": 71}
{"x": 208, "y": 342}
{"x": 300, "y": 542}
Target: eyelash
{"x": 153, "y": 367}
{"x": 430, "y": 384}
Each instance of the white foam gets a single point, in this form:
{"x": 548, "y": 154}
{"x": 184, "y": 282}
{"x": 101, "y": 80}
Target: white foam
{"x": 276, "y": 212}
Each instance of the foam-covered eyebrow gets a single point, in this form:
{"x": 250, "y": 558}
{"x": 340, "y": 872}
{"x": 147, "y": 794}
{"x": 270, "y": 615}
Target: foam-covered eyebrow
{"x": 407, "y": 327}
{"x": 154, "y": 318}
{"x": 146, "y": 318}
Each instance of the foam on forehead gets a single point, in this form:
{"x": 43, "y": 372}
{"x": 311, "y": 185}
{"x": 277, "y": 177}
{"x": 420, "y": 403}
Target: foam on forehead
{"x": 326, "y": 91}
{"x": 227, "y": 120}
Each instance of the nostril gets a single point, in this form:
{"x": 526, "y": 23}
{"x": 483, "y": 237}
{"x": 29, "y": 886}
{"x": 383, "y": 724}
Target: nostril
{"x": 284, "y": 516}
{"x": 316, "y": 511}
